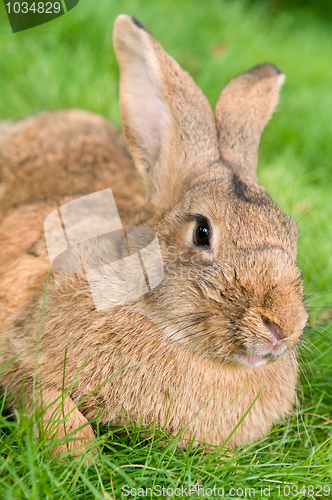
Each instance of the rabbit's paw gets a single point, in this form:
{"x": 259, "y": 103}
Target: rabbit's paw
{"x": 64, "y": 423}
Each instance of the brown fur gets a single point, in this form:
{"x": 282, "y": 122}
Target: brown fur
{"x": 177, "y": 350}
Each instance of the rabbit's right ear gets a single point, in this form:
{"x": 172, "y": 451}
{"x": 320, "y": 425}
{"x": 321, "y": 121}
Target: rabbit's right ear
{"x": 244, "y": 107}
{"x": 166, "y": 120}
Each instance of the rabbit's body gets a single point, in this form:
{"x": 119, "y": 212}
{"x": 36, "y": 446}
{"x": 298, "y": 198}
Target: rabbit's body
{"x": 45, "y": 162}
{"x": 224, "y": 322}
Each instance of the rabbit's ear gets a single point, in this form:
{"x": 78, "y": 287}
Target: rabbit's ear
{"x": 242, "y": 111}
{"x": 166, "y": 120}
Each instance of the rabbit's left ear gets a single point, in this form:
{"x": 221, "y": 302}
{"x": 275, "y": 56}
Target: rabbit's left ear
{"x": 244, "y": 107}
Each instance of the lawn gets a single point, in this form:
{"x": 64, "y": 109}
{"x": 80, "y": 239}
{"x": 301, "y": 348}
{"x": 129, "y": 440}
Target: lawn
{"x": 70, "y": 63}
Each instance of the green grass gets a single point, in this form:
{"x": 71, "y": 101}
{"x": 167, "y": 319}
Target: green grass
{"x": 70, "y": 63}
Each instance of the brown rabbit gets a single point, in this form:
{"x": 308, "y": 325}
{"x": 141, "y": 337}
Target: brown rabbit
{"x": 225, "y": 320}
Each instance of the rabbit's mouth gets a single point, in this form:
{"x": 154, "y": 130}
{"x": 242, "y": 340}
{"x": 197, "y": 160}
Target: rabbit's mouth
{"x": 254, "y": 361}
{"x": 267, "y": 350}
{"x": 251, "y": 361}
{"x": 264, "y": 353}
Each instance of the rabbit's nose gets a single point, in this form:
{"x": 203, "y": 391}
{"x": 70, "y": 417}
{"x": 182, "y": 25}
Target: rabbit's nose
{"x": 277, "y": 334}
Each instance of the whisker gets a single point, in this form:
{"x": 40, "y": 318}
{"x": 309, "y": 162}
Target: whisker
{"x": 315, "y": 236}
{"x": 168, "y": 337}
{"x": 326, "y": 330}
{"x": 181, "y": 330}
{"x": 325, "y": 335}
{"x": 313, "y": 360}
{"x": 308, "y": 204}
{"x": 315, "y": 294}
{"x": 315, "y": 227}
{"x": 308, "y": 341}
{"x": 320, "y": 307}
{"x": 179, "y": 317}
{"x": 304, "y": 373}
{"x": 190, "y": 335}
{"x": 311, "y": 391}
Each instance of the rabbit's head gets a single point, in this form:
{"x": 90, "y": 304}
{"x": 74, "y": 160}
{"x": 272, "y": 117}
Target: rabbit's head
{"x": 231, "y": 291}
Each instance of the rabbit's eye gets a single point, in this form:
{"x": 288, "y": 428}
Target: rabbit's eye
{"x": 202, "y": 234}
